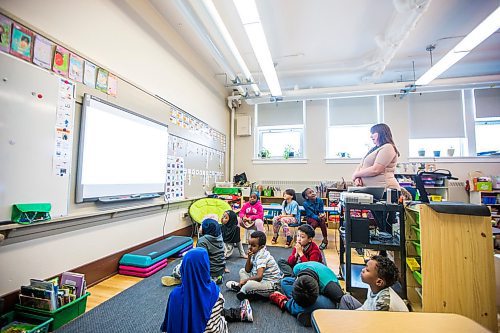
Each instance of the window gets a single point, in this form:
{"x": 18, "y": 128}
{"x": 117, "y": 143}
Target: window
{"x": 437, "y": 124}
{"x": 349, "y": 123}
{"x": 280, "y": 129}
{"x": 276, "y": 140}
{"x": 487, "y": 121}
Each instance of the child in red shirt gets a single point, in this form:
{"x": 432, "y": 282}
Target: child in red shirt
{"x": 305, "y": 250}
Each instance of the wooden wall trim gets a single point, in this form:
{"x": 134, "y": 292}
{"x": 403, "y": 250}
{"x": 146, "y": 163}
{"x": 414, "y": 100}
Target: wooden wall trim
{"x": 98, "y": 270}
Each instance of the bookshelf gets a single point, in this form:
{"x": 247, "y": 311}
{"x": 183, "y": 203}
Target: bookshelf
{"x": 456, "y": 272}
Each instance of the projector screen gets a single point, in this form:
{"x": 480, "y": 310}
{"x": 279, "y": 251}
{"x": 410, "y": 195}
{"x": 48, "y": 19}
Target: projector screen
{"x": 122, "y": 155}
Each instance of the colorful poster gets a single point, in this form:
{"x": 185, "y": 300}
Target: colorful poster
{"x": 5, "y": 30}
{"x": 42, "y": 52}
{"x": 75, "y": 68}
{"x": 176, "y": 174}
{"x": 89, "y": 74}
{"x": 102, "y": 80}
{"x": 112, "y": 82}
{"x": 61, "y": 61}
{"x": 22, "y": 42}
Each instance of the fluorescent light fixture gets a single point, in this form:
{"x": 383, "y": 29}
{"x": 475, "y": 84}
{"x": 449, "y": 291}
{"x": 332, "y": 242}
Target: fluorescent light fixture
{"x": 249, "y": 16}
{"x": 214, "y": 14}
{"x": 474, "y": 38}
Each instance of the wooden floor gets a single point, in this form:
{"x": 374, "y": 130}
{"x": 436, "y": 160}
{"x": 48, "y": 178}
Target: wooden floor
{"x": 108, "y": 288}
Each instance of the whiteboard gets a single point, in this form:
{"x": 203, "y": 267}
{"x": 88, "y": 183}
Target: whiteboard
{"x": 28, "y": 103}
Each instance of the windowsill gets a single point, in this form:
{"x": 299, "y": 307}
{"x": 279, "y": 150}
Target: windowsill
{"x": 456, "y": 159}
{"x": 291, "y": 160}
{"x": 345, "y": 160}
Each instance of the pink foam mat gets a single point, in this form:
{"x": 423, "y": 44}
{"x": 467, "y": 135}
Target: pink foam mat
{"x": 140, "y": 274}
{"x": 161, "y": 264}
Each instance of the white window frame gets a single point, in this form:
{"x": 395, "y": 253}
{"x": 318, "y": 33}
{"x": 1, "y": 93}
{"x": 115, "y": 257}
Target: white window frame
{"x": 258, "y": 130}
{"x": 349, "y": 160}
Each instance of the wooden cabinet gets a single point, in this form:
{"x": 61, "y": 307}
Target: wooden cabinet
{"x": 456, "y": 264}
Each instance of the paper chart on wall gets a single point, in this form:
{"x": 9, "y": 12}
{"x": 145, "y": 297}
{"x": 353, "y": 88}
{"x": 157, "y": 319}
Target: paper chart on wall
{"x": 61, "y": 161}
{"x": 176, "y": 174}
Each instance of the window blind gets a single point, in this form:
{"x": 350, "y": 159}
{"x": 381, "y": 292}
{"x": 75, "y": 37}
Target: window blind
{"x": 436, "y": 115}
{"x": 487, "y": 103}
{"x": 352, "y": 111}
{"x": 279, "y": 114}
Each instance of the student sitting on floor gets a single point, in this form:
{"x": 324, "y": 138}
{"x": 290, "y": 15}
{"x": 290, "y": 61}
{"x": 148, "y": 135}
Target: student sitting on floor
{"x": 290, "y": 214}
{"x": 315, "y": 214}
{"x": 316, "y": 287}
{"x": 252, "y": 214}
{"x": 213, "y": 243}
{"x": 305, "y": 250}
{"x": 261, "y": 274}
{"x": 380, "y": 273}
{"x": 197, "y": 304}
{"x": 231, "y": 234}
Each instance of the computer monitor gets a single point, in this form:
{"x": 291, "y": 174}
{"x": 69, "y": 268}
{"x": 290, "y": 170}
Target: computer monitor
{"x": 377, "y": 192}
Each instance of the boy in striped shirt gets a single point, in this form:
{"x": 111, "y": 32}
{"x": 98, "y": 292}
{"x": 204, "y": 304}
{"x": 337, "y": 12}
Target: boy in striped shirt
{"x": 261, "y": 274}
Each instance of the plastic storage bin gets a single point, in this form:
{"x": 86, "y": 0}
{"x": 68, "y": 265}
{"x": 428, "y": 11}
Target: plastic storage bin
{"x": 41, "y": 323}
{"x": 417, "y": 247}
{"x": 62, "y": 315}
{"x": 412, "y": 264}
{"x": 489, "y": 200}
{"x": 417, "y": 231}
{"x": 418, "y": 277}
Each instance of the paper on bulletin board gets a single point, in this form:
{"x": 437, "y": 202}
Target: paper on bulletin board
{"x": 42, "y": 53}
{"x": 174, "y": 185}
{"x": 76, "y": 68}
{"x": 5, "y": 32}
{"x": 63, "y": 143}
{"x": 61, "y": 61}
{"x": 89, "y": 74}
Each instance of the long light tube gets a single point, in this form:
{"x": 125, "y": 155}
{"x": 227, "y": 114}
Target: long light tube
{"x": 474, "y": 38}
{"x": 249, "y": 15}
{"x": 214, "y": 14}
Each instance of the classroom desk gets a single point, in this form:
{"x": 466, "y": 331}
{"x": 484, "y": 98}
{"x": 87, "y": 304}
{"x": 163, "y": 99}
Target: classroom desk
{"x": 278, "y": 208}
{"x": 328, "y": 321}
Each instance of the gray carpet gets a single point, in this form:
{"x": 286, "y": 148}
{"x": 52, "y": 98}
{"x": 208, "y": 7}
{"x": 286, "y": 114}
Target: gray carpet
{"x": 140, "y": 309}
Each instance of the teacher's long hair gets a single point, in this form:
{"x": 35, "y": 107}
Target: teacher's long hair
{"x": 384, "y": 136}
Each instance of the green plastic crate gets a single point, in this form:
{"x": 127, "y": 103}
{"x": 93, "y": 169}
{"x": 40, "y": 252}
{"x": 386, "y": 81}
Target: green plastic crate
{"x": 417, "y": 247}
{"x": 418, "y": 277}
{"x": 41, "y": 323}
{"x": 417, "y": 231}
{"x": 62, "y": 315}
{"x": 226, "y": 190}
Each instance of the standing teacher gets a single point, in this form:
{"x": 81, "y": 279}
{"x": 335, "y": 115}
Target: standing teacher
{"x": 377, "y": 167}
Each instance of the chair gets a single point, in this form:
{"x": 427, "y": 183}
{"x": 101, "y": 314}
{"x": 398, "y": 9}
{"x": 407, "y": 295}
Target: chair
{"x": 203, "y": 207}
{"x": 269, "y": 214}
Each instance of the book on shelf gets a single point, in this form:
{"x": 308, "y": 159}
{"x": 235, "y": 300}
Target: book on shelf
{"x": 74, "y": 279}
{"x": 35, "y": 302}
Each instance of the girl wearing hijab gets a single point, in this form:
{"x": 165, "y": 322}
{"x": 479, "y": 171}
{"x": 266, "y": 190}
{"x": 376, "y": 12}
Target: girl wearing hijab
{"x": 252, "y": 213}
{"x": 211, "y": 240}
{"x": 197, "y": 304}
{"x": 231, "y": 234}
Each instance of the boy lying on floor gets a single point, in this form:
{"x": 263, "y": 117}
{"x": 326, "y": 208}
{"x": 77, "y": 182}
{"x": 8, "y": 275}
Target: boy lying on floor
{"x": 316, "y": 287}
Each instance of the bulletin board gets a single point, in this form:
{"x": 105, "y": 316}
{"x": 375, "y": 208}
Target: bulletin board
{"x": 39, "y": 147}
{"x": 34, "y": 166}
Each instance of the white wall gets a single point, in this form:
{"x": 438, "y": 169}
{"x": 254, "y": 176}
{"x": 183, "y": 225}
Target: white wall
{"x": 131, "y": 40}
{"x": 396, "y": 116}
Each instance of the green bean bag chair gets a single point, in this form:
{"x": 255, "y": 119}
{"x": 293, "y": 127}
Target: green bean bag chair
{"x": 202, "y": 207}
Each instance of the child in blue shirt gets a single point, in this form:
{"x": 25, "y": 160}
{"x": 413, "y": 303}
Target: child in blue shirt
{"x": 290, "y": 214}
{"x": 315, "y": 214}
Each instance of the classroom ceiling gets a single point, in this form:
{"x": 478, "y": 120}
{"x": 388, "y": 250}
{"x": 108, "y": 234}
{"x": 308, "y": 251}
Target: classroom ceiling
{"x": 322, "y": 45}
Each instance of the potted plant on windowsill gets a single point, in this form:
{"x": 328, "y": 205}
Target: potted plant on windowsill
{"x": 264, "y": 153}
{"x": 450, "y": 151}
{"x": 288, "y": 152}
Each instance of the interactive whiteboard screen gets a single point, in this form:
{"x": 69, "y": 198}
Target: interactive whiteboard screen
{"x": 122, "y": 155}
